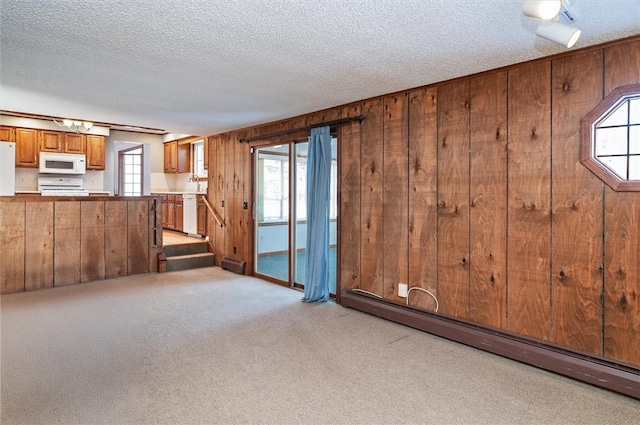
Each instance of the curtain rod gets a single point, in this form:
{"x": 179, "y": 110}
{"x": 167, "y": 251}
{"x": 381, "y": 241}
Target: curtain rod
{"x": 334, "y": 123}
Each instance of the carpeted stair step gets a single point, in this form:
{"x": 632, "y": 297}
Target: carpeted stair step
{"x": 185, "y": 249}
{"x": 190, "y": 261}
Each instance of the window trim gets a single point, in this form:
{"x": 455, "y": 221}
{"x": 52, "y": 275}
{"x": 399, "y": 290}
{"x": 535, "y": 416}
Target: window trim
{"x": 587, "y": 130}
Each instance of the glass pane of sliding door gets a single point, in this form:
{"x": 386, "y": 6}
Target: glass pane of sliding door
{"x": 272, "y": 212}
{"x": 275, "y": 231}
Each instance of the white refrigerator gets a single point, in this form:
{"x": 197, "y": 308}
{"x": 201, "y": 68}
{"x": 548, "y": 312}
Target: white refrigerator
{"x": 7, "y": 168}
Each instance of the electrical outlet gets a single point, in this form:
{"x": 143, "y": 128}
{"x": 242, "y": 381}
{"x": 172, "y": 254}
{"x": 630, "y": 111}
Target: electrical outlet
{"x": 403, "y": 290}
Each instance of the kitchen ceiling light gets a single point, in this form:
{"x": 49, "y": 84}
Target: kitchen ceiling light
{"x": 542, "y": 9}
{"x": 560, "y": 33}
{"x": 75, "y": 126}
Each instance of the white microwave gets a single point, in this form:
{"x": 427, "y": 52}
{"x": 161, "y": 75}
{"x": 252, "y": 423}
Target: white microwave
{"x": 62, "y": 163}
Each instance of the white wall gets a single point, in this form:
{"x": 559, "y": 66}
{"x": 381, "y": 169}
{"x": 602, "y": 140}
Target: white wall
{"x": 275, "y": 238}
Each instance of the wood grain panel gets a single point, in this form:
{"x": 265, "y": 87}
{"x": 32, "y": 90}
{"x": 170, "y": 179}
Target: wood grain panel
{"x": 220, "y": 185}
{"x": 116, "y": 239}
{"x": 12, "y": 242}
{"x": 137, "y": 237}
{"x": 488, "y": 194}
{"x": 92, "y": 266}
{"x": 66, "y": 267}
{"x": 155, "y": 232}
{"x": 247, "y": 218}
{"x": 576, "y": 258}
{"x": 395, "y": 195}
{"x": 622, "y": 233}
{"x": 372, "y": 163}
{"x": 38, "y": 255}
{"x": 529, "y": 227}
{"x": 453, "y": 199}
{"x": 349, "y": 202}
{"x": 423, "y": 196}
{"x": 230, "y": 192}
{"x": 241, "y": 229}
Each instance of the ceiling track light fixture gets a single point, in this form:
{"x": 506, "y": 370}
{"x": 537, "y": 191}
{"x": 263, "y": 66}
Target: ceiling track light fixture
{"x": 551, "y": 29}
{"x": 75, "y": 126}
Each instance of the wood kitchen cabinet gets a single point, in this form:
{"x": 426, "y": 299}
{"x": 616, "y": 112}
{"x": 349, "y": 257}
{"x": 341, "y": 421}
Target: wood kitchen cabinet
{"x": 60, "y": 142}
{"x": 202, "y": 217}
{"x": 74, "y": 143}
{"x": 95, "y": 149}
{"x": 26, "y": 147}
{"x": 7, "y": 134}
{"x": 50, "y": 141}
{"x": 172, "y": 212}
{"x": 177, "y": 157}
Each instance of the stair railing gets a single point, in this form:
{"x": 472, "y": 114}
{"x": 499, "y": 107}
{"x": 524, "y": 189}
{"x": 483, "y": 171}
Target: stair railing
{"x": 215, "y": 214}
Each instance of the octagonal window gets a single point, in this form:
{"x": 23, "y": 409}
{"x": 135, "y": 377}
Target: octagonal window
{"x": 611, "y": 139}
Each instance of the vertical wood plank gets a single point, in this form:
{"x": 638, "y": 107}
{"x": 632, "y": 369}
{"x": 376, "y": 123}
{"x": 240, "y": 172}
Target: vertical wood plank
{"x": 155, "y": 232}
{"x": 576, "y": 258}
{"x": 92, "y": 266}
{"x": 423, "y": 210}
{"x": 66, "y": 267}
{"x": 453, "y": 199}
{"x": 12, "y": 243}
{"x": 240, "y": 229}
{"x": 488, "y": 195}
{"x": 371, "y": 253}
{"x": 349, "y": 201}
{"x": 622, "y": 233}
{"x": 529, "y": 227}
{"x": 220, "y": 186}
{"x": 395, "y": 195}
{"x": 230, "y": 195}
{"x": 137, "y": 237}
{"x": 38, "y": 256}
{"x": 116, "y": 239}
{"x": 247, "y": 217}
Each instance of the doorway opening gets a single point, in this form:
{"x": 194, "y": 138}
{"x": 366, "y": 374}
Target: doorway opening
{"x": 280, "y": 221}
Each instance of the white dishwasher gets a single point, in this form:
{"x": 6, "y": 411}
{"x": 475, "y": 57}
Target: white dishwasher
{"x": 190, "y": 213}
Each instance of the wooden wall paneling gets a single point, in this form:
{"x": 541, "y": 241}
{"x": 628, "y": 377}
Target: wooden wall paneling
{"x": 116, "y": 242}
{"x": 576, "y": 234}
{"x": 212, "y": 194}
{"x": 622, "y": 233}
{"x": 92, "y": 242}
{"x": 453, "y": 199}
{"x": 38, "y": 254}
{"x": 395, "y": 195}
{"x": 423, "y": 196}
{"x": 371, "y": 226}
{"x": 234, "y": 208}
{"x": 220, "y": 186}
{"x": 12, "y": 241}
{"x": 241, "y": 228}
{"x": 137, "y": 237}
{"x": 66, "y": 267}
{"x": 229, "y": 195}
{"x": 247, "y": 196}
{"x": 529, "y": 224}
{"x": 488, "y": 195}
{"x": 155, "y": 226}
{"x": 349, "y": 196}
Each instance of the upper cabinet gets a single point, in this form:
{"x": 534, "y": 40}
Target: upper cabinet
{"x": 55, "y": 141}
{"x": 177, "y": 157}
{"x": 30, "y": 142}
{"x": 74, "y": 143}
{"x": 26, "y": 147}
{"x": 95, "y": 152}
{"x": 7, "y": 134}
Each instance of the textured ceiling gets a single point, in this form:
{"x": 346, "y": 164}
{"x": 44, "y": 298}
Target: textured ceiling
{"x": 203, "y": 67}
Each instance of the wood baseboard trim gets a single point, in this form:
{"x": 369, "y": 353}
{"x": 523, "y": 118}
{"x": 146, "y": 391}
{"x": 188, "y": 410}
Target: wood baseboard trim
{"x": 603, "y": 373}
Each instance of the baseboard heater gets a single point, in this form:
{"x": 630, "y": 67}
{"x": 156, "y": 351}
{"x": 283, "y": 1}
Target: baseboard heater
{"x": 233, "y": 265}
{"x": 592, "y": 370}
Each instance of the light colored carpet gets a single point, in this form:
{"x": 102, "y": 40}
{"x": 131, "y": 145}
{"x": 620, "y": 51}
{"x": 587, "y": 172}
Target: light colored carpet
{"x": 207, "y": 346}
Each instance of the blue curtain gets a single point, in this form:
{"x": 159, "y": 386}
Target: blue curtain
{"x": 316, "y": 283}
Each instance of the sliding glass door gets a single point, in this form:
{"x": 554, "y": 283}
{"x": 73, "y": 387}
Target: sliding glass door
{"x": 281, "y": 219}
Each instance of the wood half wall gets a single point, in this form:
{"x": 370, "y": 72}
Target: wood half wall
{"x": 473, "y": 189}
